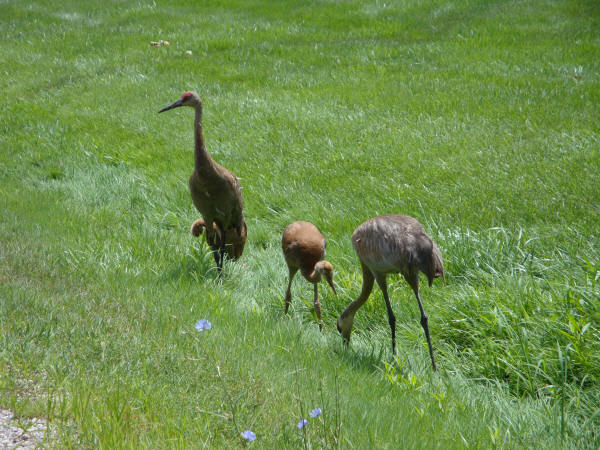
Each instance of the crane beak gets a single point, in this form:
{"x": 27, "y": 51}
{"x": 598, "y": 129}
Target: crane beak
{"x": 173, "y": 105}
{"x": 332, "y": 286}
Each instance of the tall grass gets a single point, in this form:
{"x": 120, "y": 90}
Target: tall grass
{"x": 479, "y": 118}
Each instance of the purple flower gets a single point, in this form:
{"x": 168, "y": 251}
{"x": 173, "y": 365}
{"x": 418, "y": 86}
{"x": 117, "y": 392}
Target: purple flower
{"x": 249, "y": 435}
{"x": 302, "y": 423}
{"x": 316, "y": 412}
{"x": 203, "y": 324}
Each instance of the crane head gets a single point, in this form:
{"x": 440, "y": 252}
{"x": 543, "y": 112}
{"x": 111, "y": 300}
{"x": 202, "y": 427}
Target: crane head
{"x": 187, "y": 99}
{"x": 344, "y": 326}
{"x": 326, "y": 269}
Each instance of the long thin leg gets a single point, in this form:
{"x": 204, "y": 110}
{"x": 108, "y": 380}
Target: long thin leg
{"x": 222, "y": 251}
{"x": 318, "y": 305}
{"x": 288, "y": 292}
{"x": 215, "y": 252}
{"x": 219, "y": 246}
{"x": 381, "y": 281}
{"x": 211, "y": 240}
{"x": 414, "y": 284}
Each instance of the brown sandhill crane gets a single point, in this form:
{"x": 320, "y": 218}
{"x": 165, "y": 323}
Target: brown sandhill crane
{"x": 303, "y": 248}
{"x": 216, "y": 192}
{"x": 234, "y": 242}
{"x": 392, "y": 244}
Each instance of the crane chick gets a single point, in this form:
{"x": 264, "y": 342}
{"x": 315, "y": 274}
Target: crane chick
{"x": 216, "y": 191}
{"x": 392, "y": 244}
{"x": 303, "y": 248}
{"x": 234, "y": 242}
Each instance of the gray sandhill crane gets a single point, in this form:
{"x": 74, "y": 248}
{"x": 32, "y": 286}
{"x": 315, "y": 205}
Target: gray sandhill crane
{"x": 216, "y": 192}
{"x": 303, "y": 248}
{"x": 234, "y": 242}
{"x": 392, "y": 244}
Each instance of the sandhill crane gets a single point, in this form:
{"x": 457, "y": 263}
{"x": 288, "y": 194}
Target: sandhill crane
{"x": 216, "y": 192}
{"x": 234, "y": 242}
{"x": 392, "y": 244}
{"x": 303, "y": 248}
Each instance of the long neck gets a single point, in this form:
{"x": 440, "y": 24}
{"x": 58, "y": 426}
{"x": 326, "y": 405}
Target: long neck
{"x": 312, "y": 277}
{"x": 367, "y": 287}
{"x": 201, "y": 156}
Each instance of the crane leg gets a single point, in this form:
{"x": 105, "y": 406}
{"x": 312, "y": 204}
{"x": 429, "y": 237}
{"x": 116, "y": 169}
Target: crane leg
{"x": 288, "y": 292}
{"x": 318, "y": 306}
{"x": 212, "y": 238}
{"x": 215, "y": 252}
{"x": 381, "y": 281}
{"x": 424, "y": 320}
{"x": 222, "y": 252}
{"x": 219, "y": 247}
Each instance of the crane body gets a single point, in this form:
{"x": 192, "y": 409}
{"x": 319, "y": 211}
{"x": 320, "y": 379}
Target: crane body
{"x": 216, "y": 192}
{"x": 303, "y": 248}
{"x": 392, "y": 244}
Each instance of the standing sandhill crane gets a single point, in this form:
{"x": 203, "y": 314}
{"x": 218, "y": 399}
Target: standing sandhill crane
{"x": 304, "y": 248}
{"x": 234, "y": 242}
{"x": 392, "y": 244}
{"x": 216, "y": 192}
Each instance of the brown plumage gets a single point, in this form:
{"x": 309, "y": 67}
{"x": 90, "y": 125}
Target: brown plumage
{"x": 304, "y": 249}
{"x": 216, "y": 192}
{"x": 234, "y": 241}
{"x": 392, "y": 244}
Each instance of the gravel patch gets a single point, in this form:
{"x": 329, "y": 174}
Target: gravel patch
{"x": 13, "y": 436}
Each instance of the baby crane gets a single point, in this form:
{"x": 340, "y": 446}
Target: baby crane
{"x": 234, "y": 242}
{"x": 392, "y": 244}
{"x": 304, "y": 248}
{"x": 216, "y": 192}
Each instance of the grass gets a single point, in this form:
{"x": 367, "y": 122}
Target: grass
{"x": 479, "y": 118}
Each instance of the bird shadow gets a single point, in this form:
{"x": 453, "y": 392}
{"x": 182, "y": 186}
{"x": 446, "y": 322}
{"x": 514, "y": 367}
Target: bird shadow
{"x": 379, "y": 359}
{"x": 368, "y": 359}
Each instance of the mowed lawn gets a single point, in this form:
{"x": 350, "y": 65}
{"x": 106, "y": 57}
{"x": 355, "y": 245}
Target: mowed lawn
{"x": 480, "y": 118}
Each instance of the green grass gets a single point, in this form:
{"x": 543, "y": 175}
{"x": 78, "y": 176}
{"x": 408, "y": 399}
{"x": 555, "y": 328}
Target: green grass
{"x": 478, "y": 117}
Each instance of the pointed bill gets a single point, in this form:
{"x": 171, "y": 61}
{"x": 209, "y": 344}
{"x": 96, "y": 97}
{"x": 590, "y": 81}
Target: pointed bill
{"x": 330, "y": 282}
{"x": 172, "y": 105}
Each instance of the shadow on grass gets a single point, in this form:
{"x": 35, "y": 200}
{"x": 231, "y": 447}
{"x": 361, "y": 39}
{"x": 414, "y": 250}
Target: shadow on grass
{"x": 371, "y": 359}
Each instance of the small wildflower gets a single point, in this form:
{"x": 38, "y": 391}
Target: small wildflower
{"x": 302, "y": 423}
{"x": 249, "y": 435}
{"x": 203, "y": 324}
{"x": 316, "y": 412}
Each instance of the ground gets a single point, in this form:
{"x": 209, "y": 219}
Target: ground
{"x": 14, "y": 434}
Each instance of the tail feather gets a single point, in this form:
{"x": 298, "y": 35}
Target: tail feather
{"x": 436, "y": 266}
